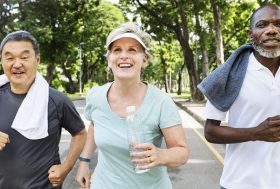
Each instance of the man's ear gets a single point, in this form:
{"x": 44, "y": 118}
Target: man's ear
{"x": 38, "y": 59}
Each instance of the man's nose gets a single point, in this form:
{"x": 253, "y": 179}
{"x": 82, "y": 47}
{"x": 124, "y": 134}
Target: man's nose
{"x": 272, "y": 30}
{"x": 18, "y": 63}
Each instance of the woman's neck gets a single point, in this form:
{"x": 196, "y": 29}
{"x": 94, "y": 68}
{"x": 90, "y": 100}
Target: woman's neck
{"x": 121, "y": 95}
{"x": 127, "y": 88}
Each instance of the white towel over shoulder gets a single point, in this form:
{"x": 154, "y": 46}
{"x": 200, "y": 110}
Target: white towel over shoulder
{"x": 32, "y": 117}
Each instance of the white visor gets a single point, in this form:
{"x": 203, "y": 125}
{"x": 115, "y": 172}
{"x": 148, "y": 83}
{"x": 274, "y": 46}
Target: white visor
{"x": 130, "y": 35}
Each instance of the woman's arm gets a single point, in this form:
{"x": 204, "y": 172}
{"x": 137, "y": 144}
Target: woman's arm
{"x": 83, "y": 173}
{"x": 177, "y": 151}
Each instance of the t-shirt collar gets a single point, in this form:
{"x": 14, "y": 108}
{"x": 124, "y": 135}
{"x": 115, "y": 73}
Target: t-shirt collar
{"x": 254, "y": 64}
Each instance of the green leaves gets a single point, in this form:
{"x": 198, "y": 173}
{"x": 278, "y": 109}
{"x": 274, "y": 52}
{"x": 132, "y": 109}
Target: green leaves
{"x": 60, "y": 27}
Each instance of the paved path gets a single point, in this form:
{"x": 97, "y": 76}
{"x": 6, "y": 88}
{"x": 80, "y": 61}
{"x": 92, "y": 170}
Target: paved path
{"x": 204, "y": 167}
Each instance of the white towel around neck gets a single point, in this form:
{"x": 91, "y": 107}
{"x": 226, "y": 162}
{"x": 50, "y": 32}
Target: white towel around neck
{"x": 32, "y": 116}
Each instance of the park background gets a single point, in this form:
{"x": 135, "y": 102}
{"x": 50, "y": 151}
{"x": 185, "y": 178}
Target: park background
{"x": 190, "y": 38}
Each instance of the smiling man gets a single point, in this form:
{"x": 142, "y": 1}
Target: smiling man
{"x": 247, "y": 87}
{"x": 32, "y": 115}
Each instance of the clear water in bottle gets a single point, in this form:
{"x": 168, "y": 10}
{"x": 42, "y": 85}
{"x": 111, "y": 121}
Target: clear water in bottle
{"x": 135, "y": 134}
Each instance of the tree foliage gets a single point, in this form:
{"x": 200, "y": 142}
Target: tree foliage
{"x": 183, "y": 33}
{"x": 62, "y": 29}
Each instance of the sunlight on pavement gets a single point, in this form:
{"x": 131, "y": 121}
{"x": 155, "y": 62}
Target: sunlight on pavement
{"x": 188, "y": 121}
{"x": 199, "y": 161}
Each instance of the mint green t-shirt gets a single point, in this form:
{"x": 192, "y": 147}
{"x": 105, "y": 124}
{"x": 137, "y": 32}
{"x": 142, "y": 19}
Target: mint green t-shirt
{"x": 114, "y": 169}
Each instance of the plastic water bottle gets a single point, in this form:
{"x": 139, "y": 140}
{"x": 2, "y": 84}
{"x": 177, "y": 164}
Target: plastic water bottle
{"x": 135, "y": 134}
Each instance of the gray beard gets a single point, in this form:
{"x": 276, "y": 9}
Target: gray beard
{"x": 267, "y": 53}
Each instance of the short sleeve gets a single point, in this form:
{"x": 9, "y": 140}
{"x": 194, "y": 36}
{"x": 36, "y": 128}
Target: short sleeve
{"x": 90, "y": 102}
{"x": 71, "y": 119}
{"x": 211, "y": 112}
{"x": 169, "y": 115}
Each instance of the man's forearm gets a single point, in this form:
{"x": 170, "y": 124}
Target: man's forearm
{"x": 76, "y": 146}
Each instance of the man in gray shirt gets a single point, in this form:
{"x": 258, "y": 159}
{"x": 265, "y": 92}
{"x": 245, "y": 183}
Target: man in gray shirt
{"x": 31, "y": 161}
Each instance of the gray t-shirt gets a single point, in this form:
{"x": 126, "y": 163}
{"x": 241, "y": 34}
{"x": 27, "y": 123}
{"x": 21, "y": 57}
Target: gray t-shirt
{"x": 24, "y": 163}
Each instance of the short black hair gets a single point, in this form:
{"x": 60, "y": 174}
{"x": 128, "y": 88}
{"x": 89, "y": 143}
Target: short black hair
{"x": 273, "y": 6}
{"x": 20, "y": 36}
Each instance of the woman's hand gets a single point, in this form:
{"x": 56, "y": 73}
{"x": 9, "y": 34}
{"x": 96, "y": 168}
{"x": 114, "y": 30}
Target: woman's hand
{"x": 174, "y": 155}
{"x": 148, "y": 156}
{"x": 83, "y": 175}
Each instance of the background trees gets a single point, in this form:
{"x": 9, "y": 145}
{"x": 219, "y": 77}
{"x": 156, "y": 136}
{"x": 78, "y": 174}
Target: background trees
{"x": 190, "y": 37}
{"x": 63, "y": 28}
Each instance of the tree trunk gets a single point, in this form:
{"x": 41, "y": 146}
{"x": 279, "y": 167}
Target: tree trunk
{"x": 51, "y": 66}
{"x": 70, "y": 86}
{"x": 218, "y": 31}
{"x": 196, "y": 95}
{"x": 164, "y": 70}
{"x": 179, "y": 81}
{"x": 53, "y": 50}
{"x": 181, "y": 31}
{"x": 50, "y": 72}
{"x": 205, "y": 62}
{"x": 183, "y": 36}
{"x": 202, "y": 43}
{"x": 170, "y": 82}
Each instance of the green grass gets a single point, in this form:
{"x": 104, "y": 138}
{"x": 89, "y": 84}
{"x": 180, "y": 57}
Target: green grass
{"x": 185, "y": 95}
{"x": 76, "y": 96}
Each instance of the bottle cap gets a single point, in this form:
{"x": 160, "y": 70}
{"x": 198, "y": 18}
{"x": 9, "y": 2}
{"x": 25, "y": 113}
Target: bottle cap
{"x": 130, "y": 109}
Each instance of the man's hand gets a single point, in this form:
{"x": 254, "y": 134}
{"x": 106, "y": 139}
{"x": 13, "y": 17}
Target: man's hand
{"x": 57, "y": 174}
{"x": 268, "y": 130}
{"x": 4, "y": 140}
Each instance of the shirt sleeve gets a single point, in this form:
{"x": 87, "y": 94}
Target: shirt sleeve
{"x": 211, "y": 112}
{"x": 71, "y": 119}
{"x": 90, "y": 103}
{"x": 169, "y": 115}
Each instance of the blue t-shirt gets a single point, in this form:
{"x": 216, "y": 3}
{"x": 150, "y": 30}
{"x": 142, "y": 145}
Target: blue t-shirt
{"x": 114, "y": 168}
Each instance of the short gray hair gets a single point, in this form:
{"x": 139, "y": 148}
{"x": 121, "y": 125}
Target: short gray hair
{"x": 270, "y": 5}
{"x": 20, "y": 36}
{"x": 129, "y": 27}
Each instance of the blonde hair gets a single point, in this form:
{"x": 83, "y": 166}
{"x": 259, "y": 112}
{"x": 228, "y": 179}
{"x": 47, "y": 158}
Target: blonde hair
{"x": 129, "y": 27}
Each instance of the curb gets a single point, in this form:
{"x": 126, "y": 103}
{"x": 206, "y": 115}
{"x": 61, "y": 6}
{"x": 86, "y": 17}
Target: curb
{"x": 198, "y": 118}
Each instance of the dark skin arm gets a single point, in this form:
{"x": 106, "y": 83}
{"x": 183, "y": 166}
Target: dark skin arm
{"x": 268, "y": 130}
